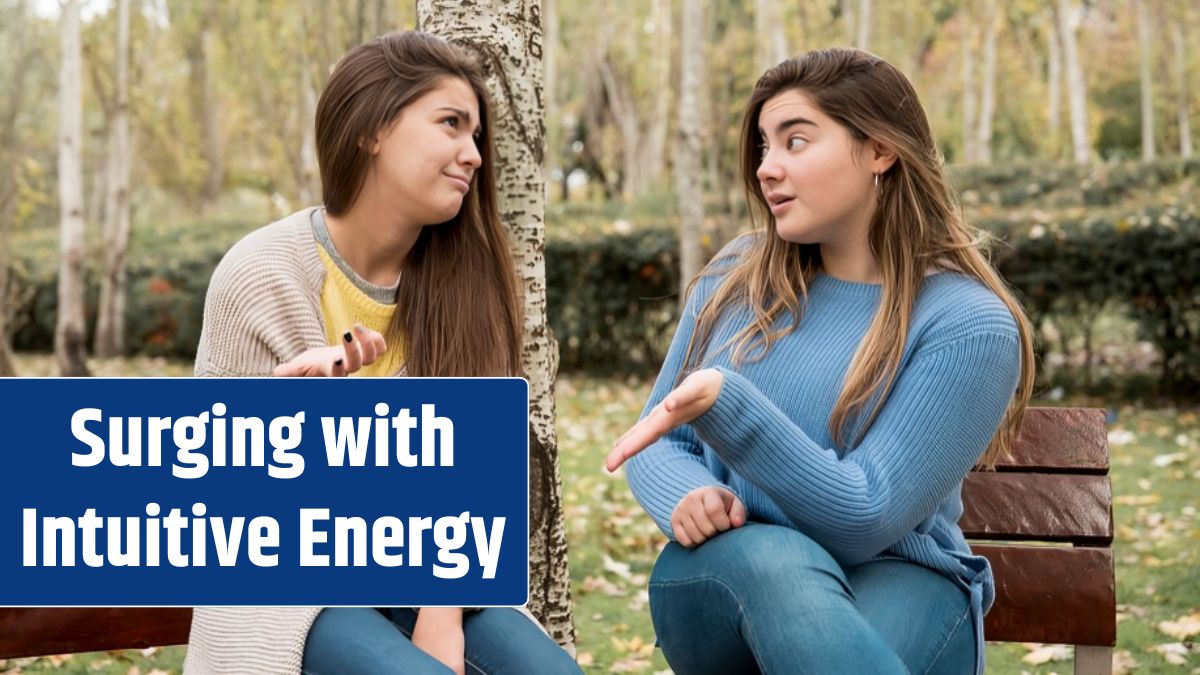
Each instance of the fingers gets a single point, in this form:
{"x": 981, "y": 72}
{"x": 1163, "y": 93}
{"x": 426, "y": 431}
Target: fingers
{"x": 648, "y": 430}
{"x": 370, "y": 342}
{"x": 735, "y": 508}
{"x": 354, "y": 356}
{"x": 714, "y": 510}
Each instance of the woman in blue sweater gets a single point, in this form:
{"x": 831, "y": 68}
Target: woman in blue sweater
{"x": 834, "y": 377}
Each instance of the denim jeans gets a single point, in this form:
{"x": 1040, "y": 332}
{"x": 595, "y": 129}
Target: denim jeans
{"x": 362, "y": 640}
{"x": 766, "y": 598}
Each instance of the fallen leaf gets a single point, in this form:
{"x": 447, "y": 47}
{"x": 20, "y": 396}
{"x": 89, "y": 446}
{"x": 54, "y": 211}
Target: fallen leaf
{"x": 1182, "y": 628}
{"x": 1123, "y": 662}
{"x": 1047, "y": 653}
{"x": 1175, "y": 653}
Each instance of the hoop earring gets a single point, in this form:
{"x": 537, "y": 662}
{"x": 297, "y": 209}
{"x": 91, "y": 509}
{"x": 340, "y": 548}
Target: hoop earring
{"x": 877, "y": 182}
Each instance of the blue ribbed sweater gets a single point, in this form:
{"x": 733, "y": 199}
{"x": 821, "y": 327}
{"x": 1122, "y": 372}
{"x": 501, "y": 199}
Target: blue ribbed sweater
{"x": 898, "y": 492}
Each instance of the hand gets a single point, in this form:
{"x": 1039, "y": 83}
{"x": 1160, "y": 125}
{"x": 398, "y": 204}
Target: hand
{"x": 362, "y": 348}
{"x": 439, "y": 633}
{"x": 691, "y": 399}
{"x": 705, "y": 512}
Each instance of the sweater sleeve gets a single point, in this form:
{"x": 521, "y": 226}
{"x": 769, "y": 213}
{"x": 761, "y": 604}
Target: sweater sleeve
{"x": 674, "y": 465}
{"x": 942, "y": 413}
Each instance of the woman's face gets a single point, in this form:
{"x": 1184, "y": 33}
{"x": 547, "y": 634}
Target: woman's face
{"x": 424, "y": 163}
{"x": 817, "y": 180}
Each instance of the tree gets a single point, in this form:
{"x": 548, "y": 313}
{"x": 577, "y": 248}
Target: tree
{"x": 864, "y": 25}
{"x": 688, "y": 149}
{"x": 507, "y": 36}
{"x": 987, "y": 95}
{"x": 1067, "y": 19}
{"x": 110, "y": 318}
{"x": 1144, "y": 78}
{"x": 69, "y": 338}
{"x": 1185, "y": 125}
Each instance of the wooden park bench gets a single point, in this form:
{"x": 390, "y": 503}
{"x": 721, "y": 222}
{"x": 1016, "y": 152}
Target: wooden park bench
{"x": 1046, "y": 513}
{"x": 1054, "y": 492}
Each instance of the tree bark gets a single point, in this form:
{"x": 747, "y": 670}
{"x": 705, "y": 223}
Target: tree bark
{"x": 847, "y": 8}
{"x": 69, "y": 339}
{"x": 864, "y": 24}
{"x": 110, "y": 320}
{"x": 1181, "y": 65}
{"x": 688, "y": 149}
{"x": 507, "y": 34}
{"x": 987, "y": 96}
{"x": 1054, "y": 73}
{"x": 968, "y": 95}
{"x": 1144, "y": 78}
{"x": 652, "y": 152}
{"x": 1067, "y": 20}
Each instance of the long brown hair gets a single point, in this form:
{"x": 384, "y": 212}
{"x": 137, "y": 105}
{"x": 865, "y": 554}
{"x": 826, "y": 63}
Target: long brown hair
{"x": 916, "y": 227}
{"x": 457, "y": 309}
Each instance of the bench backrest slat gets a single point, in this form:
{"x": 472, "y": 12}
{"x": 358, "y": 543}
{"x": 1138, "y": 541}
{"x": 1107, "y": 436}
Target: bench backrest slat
{"x": 1069, "y": 508}
{"x": 38, "y": 631}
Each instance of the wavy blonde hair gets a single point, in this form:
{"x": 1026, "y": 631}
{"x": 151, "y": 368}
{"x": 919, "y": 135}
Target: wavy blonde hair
{"x": 916, "y": 227}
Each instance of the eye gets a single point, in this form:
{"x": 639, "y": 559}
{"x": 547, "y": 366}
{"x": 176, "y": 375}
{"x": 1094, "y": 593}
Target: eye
{"x": 763, "y": 149}
{"x": 796, "y": 142}
{"x": 451, "y": 121}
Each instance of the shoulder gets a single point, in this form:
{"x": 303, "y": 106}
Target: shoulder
{"x": 283, "y": 252}
{"x": 953, "y": 307}
{"x": 730, "y": 256}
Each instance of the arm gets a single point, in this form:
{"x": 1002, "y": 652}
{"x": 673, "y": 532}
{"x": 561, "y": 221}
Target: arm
{"x": 943, "y": 411}
{"x": 673, "y": 466}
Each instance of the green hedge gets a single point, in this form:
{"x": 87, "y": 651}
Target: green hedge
{"x": 613, "y": 302}
{"x": 1062, "y": 185}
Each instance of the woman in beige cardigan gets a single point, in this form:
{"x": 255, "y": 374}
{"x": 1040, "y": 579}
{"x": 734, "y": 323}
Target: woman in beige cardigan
{"x": 404, "y": 269}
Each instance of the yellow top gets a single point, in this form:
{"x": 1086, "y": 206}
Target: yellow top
{"x": 344, "y": 304}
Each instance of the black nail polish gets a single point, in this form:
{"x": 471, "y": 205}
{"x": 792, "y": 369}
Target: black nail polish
{"x": 347, "y": 336}
{"x": 338, "y": 363}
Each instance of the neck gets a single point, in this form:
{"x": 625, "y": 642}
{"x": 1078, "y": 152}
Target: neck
{"x": 851, "y": 259}
{"x": 374, "y": 240}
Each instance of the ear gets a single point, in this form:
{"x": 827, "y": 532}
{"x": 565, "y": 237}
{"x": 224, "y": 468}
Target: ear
{"x": 879, "y": 156}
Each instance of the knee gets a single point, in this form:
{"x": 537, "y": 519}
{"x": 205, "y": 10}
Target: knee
{"x": 772, "y": 559}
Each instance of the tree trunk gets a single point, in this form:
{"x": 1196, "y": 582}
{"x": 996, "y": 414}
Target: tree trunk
{"x": 1067, "y": 20}
{"x": 688, "y": 149}
{"x": 204, "y": 104}
{"x": 310, "y": 178}
{"x": 508, "y": 36}
{"x": 652, "y": 151}
{"x": 1054, "y": 73}
{"x": 848, "y": 20}
{"x": 864, "y": 24}
{"x": 987, "y": 96}
{"x": 1185, "y": 125}
{"x": 968, "y": 96}
{"x": 769, "y": 25}
{"x": 1147, "y": 92}
{"x": 110, "y": 320}
{"x": 69, "y": 339}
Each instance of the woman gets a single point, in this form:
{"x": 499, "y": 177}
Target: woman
{"x": 405, "y": 268}
{"x": 832, "y": 381}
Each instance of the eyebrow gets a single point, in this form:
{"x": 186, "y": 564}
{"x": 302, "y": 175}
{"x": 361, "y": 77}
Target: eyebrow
{"x": 466, "y": 116}
{"x": 789, "y": 123}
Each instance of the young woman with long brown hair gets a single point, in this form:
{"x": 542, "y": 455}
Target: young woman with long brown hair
{"x": 404, "y": 270}
{"x": 834, "y": 377}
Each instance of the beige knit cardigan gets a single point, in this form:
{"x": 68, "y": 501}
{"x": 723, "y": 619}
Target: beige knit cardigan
{"x": 262, "y": 309}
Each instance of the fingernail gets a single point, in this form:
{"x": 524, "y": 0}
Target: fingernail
{"x": 338, "y": 363}
{"x": 348, "y": 337}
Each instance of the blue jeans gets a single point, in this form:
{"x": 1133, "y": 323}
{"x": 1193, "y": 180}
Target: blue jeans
{"x": 766, "y": 598}
{"x": 354, "y": 640}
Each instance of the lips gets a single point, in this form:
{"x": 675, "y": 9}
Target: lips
{"x": 460, "y": 182}
{"x": 779, "y": 203}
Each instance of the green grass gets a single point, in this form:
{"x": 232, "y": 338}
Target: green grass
{"x": 613, "y": 543}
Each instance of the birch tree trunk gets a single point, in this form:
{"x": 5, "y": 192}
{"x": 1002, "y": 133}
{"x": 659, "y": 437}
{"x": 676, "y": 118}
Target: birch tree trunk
{"x": 688, "y": 149}
{"x": 1054, "y": 73}
{"x": 110, "y": 320}
{"x": 1067, "y": 20}
{"x": 1185, "y": 125}
{"x": 848, "y": 20}
{"x": 771, "y": 48}
{"x": 987, "y": 95}
{"x": 864, "y": 24}
{"x": 69, "y": 339}
{"x": 968, "y": 96}
{"x": 652, "y": 152}
{"x": 507, "y": 35}
{"x": 1147, "y": 91}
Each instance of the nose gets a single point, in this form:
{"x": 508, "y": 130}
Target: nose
{"x": 768, "y": 169}
{"x": 469, "y": 155}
